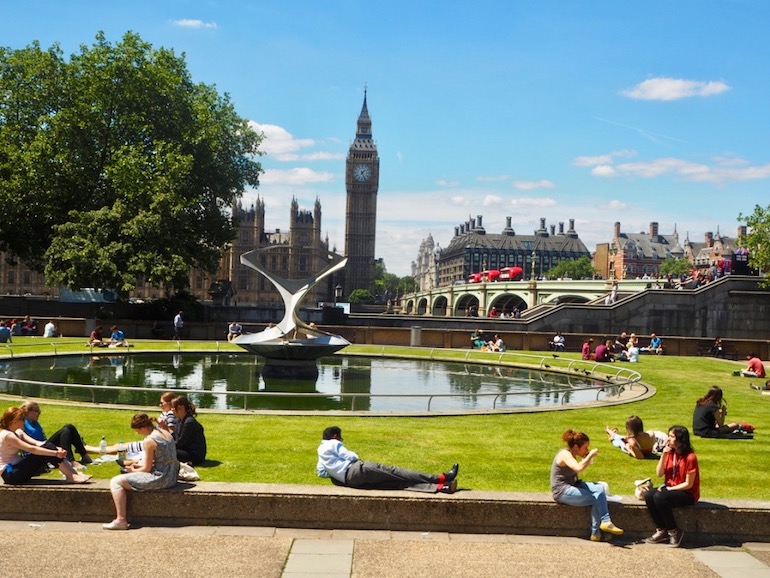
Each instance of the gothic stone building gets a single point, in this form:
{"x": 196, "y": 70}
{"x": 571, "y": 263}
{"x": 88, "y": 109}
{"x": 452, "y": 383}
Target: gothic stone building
{"x": 633, "y": 255}
{"x": 299, "y": 253}
{"x": 472, "y": 250}
{"x": 362, "y": 181}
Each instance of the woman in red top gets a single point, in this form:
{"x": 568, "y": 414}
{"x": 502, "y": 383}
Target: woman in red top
{"x": 679, "y": 467}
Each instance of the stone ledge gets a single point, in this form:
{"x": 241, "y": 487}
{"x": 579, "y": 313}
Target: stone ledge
{"x": 331, "y": 507}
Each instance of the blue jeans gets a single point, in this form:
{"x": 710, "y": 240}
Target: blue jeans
{"x": 588, "y": 494}
{"x": 617, "y": 441}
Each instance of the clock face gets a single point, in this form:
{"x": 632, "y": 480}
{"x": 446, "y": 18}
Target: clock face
{"x": 362, "y": 173}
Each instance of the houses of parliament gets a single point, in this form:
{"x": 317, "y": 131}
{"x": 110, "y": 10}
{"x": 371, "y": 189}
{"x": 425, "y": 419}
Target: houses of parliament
{"x": 299, "y": 252}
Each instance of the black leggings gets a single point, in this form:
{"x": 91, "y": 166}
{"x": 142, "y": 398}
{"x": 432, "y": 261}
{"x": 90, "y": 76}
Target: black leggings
{"x": 661, "y": 506}
{"x": 67, "y": 438}
{"x": 30, "y": 466}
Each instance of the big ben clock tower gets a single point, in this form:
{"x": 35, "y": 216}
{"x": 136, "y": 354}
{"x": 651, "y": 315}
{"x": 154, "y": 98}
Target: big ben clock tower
{"x": 362, "y": 180}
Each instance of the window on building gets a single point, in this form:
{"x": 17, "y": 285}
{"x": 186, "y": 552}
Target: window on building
{"x": 11, "y": 277}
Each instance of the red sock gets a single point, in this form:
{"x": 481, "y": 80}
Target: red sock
{"x": 441, "y": 479}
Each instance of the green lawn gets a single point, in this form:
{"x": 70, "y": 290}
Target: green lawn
{"x": 497, "y": 452}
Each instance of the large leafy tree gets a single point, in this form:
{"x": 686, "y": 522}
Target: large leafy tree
{"x": 672, "y": 266}
{"x": 573, "y": 268}
{"x": 115, "y": 166}
{"x": 757, "y": 240}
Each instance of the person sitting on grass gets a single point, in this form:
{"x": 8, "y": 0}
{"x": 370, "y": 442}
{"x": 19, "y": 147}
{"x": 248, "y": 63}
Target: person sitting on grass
{"x": 189, "y": 435}
{"x": 656, "y": 345}
{"x": 708, "y": 418}
{"x": 603, "y": 352}
{"x": 22, "y": 457}
{"x": 567, "y": 489}
{"x": 96, "y": 339}
{"x": 117, "y": 338}
{"x": 346, "y": 469}
{"x": 755, "y": 368}
{"x": 497, "y": 344}
{"x": 66, "y": 437}
{"x": 637, "y": 443}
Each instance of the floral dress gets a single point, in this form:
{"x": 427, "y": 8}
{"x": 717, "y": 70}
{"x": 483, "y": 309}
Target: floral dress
{"x": 165, "y": 467}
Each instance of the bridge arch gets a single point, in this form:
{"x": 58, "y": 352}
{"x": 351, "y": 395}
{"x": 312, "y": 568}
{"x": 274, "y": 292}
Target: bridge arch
{"x": 440, "y": 305}
{"x": 409, "y": 306}
{"x": 422, "y": 306}
{"x": 464, "y": 302}
{"x": 507, "y": 302}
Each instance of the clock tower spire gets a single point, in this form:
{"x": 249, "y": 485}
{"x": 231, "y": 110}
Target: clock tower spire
{"x": 362, "y": 179}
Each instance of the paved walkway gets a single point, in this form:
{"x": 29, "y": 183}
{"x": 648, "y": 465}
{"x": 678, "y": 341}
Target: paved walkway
{"x": 35, "y": 549}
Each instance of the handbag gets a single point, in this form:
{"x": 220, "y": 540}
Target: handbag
{"x": 642, "y": 487}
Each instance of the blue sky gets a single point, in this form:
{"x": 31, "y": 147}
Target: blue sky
{"x": 596, "y": 111}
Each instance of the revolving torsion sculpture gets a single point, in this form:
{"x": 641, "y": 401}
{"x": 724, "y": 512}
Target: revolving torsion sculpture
{"x": 287, "y": 355}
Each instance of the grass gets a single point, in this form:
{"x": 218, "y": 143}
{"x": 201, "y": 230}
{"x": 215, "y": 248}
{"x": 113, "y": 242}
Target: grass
{"x": 496, "y": 452}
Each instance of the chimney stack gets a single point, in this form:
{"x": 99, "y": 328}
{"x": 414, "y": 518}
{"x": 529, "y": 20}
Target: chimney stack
{"x": 616, "y": 233}
{"x": 561, "y": 228}
{"x": 709, "y": 239}
{"x": 653, "y": 229}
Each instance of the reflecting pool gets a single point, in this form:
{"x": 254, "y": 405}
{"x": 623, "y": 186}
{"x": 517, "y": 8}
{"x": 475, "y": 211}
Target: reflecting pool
{"x": 234, "y": 381}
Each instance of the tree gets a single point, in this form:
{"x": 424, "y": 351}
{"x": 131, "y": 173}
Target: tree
{"x": 676, "y": 267}
{"x": 573, "y": 268}
{"x": 757, "y": 241}
{"x": 361, "y": 296}
{"x": 115, "y": 166}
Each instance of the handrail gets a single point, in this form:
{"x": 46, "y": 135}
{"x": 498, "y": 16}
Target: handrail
{"x": 255, "y": 394}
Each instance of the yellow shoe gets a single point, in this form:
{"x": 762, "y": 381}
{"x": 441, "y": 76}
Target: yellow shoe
{"x": 610, "y": 528}
{"x": 601, "y": 537}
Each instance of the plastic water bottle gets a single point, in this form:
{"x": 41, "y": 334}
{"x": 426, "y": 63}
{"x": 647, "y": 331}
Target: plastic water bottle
{"x": 103, "y": 446}
{"x": 121, "y": 450}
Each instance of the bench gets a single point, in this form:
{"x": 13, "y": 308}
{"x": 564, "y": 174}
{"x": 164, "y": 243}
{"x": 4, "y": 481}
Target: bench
{"x": 332, "y": 507}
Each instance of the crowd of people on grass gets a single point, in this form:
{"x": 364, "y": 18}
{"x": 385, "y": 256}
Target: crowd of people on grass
{"x": 176, "y": 436}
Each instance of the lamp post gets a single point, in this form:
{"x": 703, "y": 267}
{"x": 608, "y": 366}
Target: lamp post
{"x": 613, "y": 252}
{"x": 534, "y": 256}
{"x": 337, "y": 294}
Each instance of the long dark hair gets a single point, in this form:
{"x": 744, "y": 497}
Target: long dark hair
{"x": 185, "y": 403}
{"x": 713, "y": 395}
{"x": 682, "y": 444}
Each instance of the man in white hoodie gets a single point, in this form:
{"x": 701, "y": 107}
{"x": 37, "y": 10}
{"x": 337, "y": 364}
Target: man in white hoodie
{"x": 346, "y": 469}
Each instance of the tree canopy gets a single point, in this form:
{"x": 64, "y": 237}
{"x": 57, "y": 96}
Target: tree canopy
{"x": 672, "y": 266}
{"x": 115, "y": 166}
{"x": 573, "y": 268}
{"x": 757, "y": 239}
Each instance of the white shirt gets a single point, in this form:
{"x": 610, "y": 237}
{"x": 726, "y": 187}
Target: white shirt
{"x": 334, "y": 460}
{"x": 49, "y": 330}
{"x": 178, "y": 321}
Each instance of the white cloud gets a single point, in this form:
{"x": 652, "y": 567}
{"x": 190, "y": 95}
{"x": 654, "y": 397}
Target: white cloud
{"x": 279, "y": 142}
{"x": 295, "y": 176}
{"x": 491, "y": 200}
{"x": 663, "y": 88}
{"x": 532, "y": 185}
{"x": 608, "y": 159}
{"x": 445, "y": 183}
{"x": 617, "y": 205}
{"x": 194, "y": 23}
{"x": 603, "y": 171}
{"x": 534, "y": 202}
{"x": 459, "y": 200}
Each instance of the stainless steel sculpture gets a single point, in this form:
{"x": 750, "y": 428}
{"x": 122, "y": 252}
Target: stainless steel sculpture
{"x": 286, "y": 354}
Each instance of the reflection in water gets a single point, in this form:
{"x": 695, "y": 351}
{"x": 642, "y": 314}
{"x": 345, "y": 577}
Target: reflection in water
{"x": 230, "y": 375}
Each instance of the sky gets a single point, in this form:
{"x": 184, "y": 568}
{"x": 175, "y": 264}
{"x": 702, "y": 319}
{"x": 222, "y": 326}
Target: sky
{"x": 597, "y": 111}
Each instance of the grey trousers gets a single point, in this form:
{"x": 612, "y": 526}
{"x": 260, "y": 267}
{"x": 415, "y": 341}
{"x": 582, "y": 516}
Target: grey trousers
{"x": 373, "y": 476}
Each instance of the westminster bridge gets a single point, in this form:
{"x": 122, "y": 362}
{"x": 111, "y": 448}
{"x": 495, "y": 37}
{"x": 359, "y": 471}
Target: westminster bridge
{"x": 505, "y": 296}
